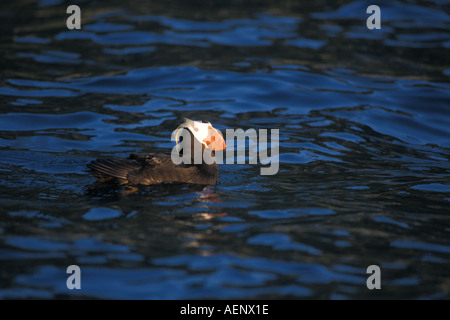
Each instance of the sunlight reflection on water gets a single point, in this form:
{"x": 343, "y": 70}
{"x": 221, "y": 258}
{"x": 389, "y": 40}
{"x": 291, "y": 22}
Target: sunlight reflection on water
{"x": 364, "y": 151}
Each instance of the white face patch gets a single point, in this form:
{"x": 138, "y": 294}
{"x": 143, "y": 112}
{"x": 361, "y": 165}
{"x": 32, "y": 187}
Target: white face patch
{"x": 198, "y": 129}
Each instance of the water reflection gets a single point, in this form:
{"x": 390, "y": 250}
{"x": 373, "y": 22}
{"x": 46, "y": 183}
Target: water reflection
{"x": 364, "y": 150}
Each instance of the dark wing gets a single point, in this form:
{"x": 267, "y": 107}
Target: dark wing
{"x": 147, "y": 169}
{"x": 159, "y": 168}
{"x": 113, "y": 169}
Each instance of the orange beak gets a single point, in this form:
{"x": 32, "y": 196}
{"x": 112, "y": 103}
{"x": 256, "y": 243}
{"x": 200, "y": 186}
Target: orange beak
{"x": 214, "y": 140}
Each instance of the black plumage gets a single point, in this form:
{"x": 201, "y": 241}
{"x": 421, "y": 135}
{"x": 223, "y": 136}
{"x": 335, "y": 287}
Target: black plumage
{"x": 154, "y": 168}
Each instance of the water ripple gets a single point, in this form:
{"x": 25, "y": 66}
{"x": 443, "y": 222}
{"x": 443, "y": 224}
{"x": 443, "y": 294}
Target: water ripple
{"x": 364, "y": 150}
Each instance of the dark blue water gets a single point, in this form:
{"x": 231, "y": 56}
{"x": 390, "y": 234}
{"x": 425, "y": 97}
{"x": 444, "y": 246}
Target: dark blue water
{"x": 364, "y": 123}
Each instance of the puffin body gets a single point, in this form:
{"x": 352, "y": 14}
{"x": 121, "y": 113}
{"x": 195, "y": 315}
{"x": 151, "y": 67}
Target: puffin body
{"x": 158, "y": 168}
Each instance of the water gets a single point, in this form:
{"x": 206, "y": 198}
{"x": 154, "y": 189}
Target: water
{"x": 364, "y": 126}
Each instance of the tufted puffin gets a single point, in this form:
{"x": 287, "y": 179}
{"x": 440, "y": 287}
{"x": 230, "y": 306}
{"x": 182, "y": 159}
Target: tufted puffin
{"x": 159, "y": 168}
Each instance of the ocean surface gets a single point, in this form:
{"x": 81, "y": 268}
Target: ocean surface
{"x": 364, "y": 148}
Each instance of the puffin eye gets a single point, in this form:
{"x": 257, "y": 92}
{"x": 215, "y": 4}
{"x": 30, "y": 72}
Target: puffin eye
{"x": 204, "y": 121}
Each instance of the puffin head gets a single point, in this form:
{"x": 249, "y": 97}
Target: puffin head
{"x": 203, "y": 132}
